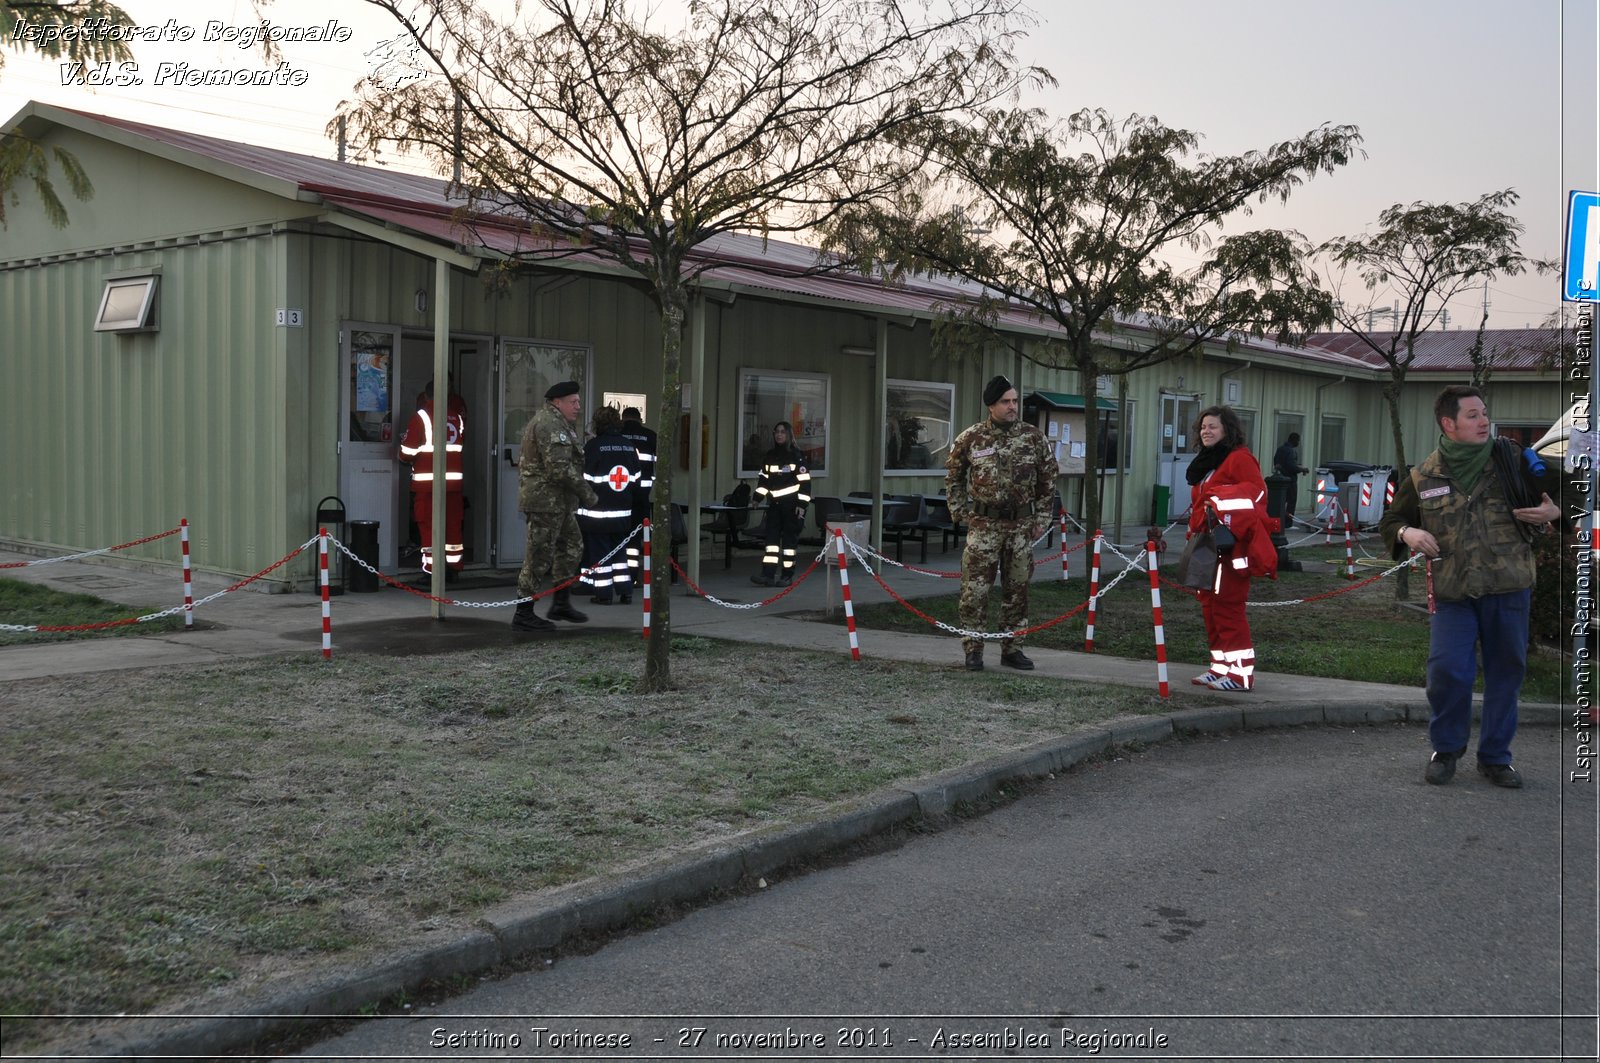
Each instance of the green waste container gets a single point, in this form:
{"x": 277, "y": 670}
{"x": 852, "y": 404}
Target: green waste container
{"x": 1160, "y": 504}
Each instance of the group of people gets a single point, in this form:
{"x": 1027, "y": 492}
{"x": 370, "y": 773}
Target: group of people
{"x": 1465, "y": 508}
{"x": 1471, "y": 518}
{"x": 581, "y": 499}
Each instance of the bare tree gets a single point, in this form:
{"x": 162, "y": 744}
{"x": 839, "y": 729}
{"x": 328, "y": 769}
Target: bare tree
{"x": 640, "y": 146}
{"x": 80, "y": 31}
{"x": 1424, "y": 254}
{"x": 1072, "y": 221}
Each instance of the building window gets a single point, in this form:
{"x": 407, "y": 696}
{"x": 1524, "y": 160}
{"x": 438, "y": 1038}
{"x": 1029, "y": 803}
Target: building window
{"x": 1247, "y": 421}
{"x": 918, "y": 426}
{"x": 1331, "y": 446}
{"x": 128, "y": 305}
{"x": 1116, "y": 446}
{"x": 767, "y": 396}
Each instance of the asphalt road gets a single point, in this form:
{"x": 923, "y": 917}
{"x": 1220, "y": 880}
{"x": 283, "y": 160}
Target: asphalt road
{"x": 1285, "y": 894}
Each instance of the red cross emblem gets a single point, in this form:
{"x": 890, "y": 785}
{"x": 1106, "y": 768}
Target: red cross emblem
{"x": 618, "y": 478}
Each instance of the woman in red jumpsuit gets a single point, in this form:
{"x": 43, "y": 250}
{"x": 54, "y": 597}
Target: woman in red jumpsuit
{"x": 1225, "y": 482}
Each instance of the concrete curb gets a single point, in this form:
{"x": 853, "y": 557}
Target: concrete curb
{"x": 613, "y": 902}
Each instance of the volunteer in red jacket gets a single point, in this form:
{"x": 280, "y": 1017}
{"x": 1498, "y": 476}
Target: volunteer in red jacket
{"x": 1228, "y": 494}
{"x": 425, "y": 435}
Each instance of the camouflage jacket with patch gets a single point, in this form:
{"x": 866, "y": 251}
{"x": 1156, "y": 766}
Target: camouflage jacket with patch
{"x": 1480, "y": 549}
{"x": 1000, "y": 468}
{"x": 550, "y": 471}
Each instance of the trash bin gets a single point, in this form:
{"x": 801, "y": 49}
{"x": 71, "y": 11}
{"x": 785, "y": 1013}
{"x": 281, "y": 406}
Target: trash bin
{"x": 1373, "y": 497}
{"x": 1327, "y": 494}
{"x": 1160, "y": 504}
{"x": 364, "y": 545}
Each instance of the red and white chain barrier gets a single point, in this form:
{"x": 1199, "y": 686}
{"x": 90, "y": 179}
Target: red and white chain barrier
{"x": 92, "y": 553}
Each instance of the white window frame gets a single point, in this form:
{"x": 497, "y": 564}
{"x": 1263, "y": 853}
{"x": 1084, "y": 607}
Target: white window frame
{"x": 752, "y": 423}
{"x": 144, "y": 320}
{"x": 930, "y": 386}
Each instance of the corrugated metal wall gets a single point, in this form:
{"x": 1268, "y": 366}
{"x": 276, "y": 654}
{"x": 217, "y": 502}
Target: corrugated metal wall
{"x": 118, "y": 436}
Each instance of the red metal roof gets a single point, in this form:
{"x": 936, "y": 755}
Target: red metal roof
{"x": 1449, "y": 351}
{"x": 428, "y": 207}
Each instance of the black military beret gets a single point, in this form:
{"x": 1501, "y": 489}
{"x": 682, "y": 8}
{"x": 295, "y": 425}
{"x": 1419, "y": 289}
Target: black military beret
{"x": 562, "y": 390}
{"x": 994, "y": 389}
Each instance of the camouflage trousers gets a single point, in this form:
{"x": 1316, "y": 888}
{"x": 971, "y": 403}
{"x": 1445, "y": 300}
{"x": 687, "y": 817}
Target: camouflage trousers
{"x": 1003, "y": 547}
{"x": 554, "y": 550}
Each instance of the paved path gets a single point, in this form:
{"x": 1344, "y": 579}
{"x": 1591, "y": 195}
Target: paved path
{"x": 1266, "y": 895}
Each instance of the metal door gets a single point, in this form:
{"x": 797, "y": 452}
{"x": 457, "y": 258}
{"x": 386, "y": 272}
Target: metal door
{"x": 526, "y": 369}
{"x": 1177, "y": 449}
{"x": 368, "y": 439}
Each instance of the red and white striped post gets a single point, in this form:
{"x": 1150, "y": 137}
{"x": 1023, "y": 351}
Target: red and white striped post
{"x": 844, "y": 592}
{"x": 322, "y": 576}
{"x": 188, "y": 578}
{"x": 1065, "y": 575}
{"x": 1333, "y": 517}
{"x": 644, "y": 569}
{"x": 1349, "y": 551}
{"x": 1094, "y": 594}
{"x": 1155, "y": 609}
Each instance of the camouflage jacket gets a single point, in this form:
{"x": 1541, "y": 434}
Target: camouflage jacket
{"x": 1480, "y": 550}
{"x": 550, "y": 472}
{"x": 1000, "y": 472}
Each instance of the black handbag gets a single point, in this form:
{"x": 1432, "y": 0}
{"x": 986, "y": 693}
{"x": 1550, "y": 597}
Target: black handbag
{"x": 1197, "y": 565}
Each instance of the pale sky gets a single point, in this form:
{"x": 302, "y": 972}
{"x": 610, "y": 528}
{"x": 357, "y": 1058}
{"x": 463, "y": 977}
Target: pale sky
{"x": 1455, "y": 98}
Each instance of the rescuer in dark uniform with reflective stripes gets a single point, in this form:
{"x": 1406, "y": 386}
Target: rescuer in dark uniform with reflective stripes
{"x": 644, "y": 441}
{"x": 785, "y": 485}
{"x": 611, "y": 469}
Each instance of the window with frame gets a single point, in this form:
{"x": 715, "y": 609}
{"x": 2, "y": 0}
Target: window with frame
{"x": 919, "y": 425}
{"x": 767, "y": 396}
{"x": 1247, "y": 421}
{"x": 128, "y": 304}
{"x": 1330, "y": 447}
{"x": 1116, "y": 446}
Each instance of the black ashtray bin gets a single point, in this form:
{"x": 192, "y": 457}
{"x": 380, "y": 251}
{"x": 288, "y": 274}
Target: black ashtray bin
{"x": 364, "y": 545}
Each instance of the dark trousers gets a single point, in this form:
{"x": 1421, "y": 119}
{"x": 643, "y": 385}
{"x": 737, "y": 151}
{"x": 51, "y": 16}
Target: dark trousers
{"x": 783, "y": 536}
{"x": 1500, "y": 623}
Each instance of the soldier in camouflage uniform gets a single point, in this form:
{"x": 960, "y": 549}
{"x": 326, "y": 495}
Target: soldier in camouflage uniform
{"x": 1454, "y": 509}
{"x": 550, "y": 490}
{"x": 1000, "y": 479}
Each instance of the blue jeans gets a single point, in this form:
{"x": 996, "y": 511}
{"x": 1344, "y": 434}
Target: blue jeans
{"x": 1499, "y": 622}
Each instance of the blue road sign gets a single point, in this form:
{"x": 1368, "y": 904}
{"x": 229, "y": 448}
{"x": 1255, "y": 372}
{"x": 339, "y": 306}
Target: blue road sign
{"x": 1582, "y": 272}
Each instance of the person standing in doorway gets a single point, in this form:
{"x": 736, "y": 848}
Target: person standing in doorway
{"x": 1228, "y": 496}
{"x": 643, "y": 439}
{"x": 1000, "y": 480}
{"x": 425, "y": 436}
{"x": 785, "y": 486}
{"x": 1286, "y": 462}
{"x": 1456, "y": 510}
{"x": 551, "y": 487}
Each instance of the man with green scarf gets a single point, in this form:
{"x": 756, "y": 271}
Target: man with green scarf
{"x": 1453, "y": 510}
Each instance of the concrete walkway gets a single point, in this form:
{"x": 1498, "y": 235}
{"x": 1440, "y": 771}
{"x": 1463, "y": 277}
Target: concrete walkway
{"x": 252, "y": 624}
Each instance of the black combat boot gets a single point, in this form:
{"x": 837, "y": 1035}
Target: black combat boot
{"x": 1012, "y": 657}
{"x": 975, "y": 660}
{"x": 527, "y": 620}
{"x": 563, "y": 610}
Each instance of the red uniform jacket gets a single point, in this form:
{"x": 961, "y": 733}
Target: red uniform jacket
{"x": 1237, "y": 495}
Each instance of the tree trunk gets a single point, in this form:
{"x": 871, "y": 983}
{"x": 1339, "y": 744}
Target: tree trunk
{"x": 658, "y": 651}
{"x": 1089, "y": 380}
{"x": 1391, "y": 397}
